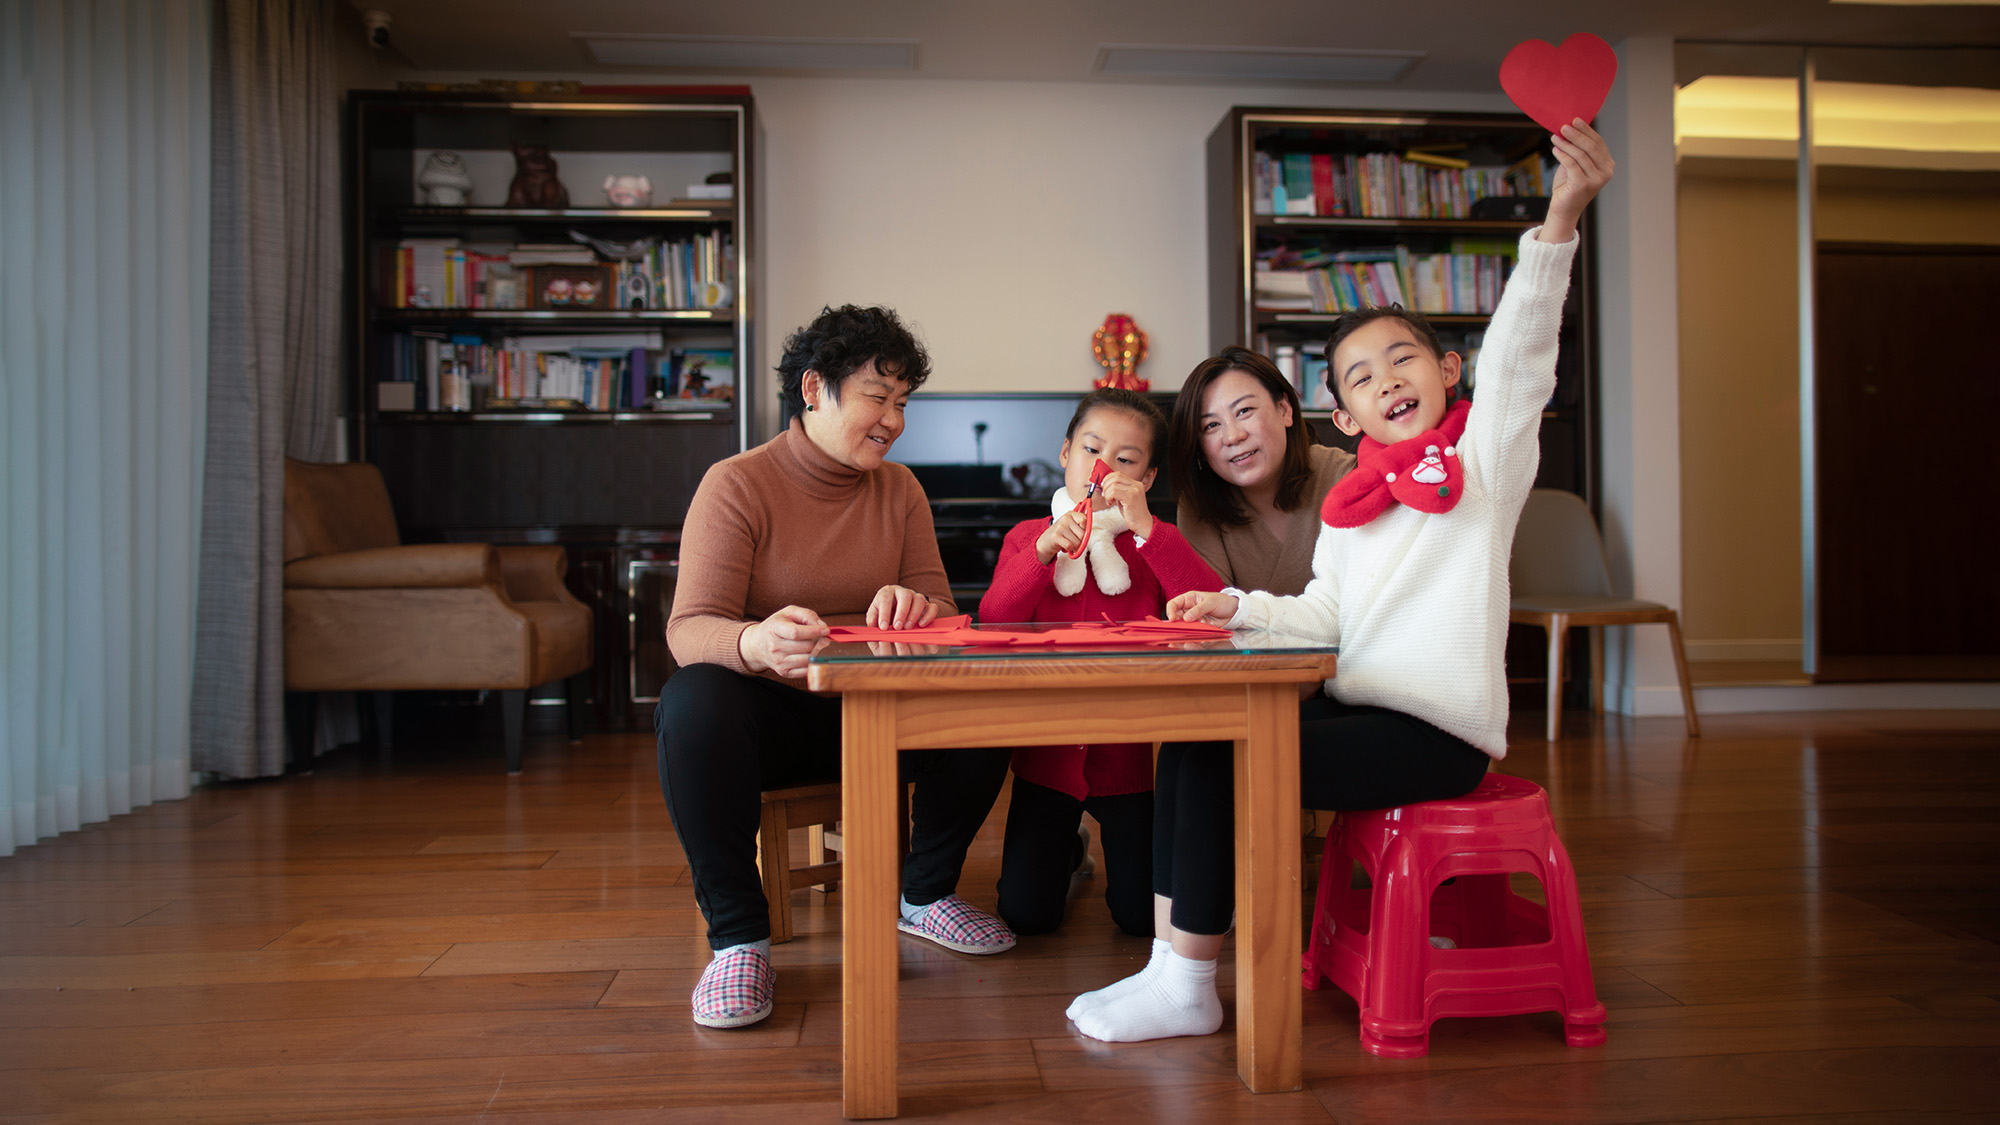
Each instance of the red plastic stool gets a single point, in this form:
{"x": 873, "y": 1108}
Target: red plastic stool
{"x": 1514, "y": 956}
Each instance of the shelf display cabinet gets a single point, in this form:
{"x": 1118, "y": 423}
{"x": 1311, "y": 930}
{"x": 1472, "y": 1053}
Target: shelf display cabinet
{"x": 1311, "y": 212}
{"x": 550, "y": 305}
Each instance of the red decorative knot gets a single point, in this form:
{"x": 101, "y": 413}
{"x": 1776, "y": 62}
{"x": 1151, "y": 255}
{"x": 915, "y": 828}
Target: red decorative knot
{"x": 1120, "y": 346}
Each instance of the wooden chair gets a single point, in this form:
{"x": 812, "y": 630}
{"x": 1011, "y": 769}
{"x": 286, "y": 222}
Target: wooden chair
{"x": 815, "y": 808}
{"x": 1560, "y": 582}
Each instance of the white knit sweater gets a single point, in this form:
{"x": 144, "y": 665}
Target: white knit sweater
{"x": 1418, "y": 603}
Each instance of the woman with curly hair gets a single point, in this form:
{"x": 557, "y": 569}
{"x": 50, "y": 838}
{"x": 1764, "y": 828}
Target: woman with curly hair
{"x": 811, "y": 529}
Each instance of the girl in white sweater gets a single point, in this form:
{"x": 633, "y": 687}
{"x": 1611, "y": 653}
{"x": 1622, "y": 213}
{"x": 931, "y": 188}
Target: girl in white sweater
{"x": 1409, "y": 578}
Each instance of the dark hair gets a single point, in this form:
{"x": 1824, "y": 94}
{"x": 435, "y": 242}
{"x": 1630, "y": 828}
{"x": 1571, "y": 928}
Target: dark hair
{"x": 840, "y": 342}
{"x": 1214, "y": 500}
{"x": 1132, "y": 402}
{"x": 1352, "y": 321}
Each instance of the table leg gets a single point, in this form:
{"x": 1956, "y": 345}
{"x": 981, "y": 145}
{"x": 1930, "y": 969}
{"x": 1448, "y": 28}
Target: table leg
{"x": 868, "y": 885}
{"x": 1268, "y": 1046}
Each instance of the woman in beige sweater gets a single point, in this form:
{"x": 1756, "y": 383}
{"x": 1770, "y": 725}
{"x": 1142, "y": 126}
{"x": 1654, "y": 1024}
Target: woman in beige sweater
{"x": 811, "y": 529}
{"x": 1249, "y": 476}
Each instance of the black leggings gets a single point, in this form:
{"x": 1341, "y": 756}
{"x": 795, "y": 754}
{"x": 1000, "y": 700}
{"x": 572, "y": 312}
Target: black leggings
{"x": 1041, "y": 840}
{"x": 725, "y": 737}
{"x": 1349, "y": 758}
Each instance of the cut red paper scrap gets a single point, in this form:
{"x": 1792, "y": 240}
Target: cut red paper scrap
{"x": 1556, "y": 85}
{"x": 1085, "y": 634}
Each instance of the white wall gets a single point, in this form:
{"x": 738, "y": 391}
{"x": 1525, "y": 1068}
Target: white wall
{"x": 1004, "y": 219}
{"x": 1639, "y": 370}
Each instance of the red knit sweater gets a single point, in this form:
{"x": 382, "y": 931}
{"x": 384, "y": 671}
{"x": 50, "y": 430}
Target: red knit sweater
{"x": 1025, "y": 590}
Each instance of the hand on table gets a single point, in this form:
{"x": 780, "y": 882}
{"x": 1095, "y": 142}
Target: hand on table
{"x": 1207, "y": 607}
{"x": 782, "y": 642}
{"x": 899, "y": 607}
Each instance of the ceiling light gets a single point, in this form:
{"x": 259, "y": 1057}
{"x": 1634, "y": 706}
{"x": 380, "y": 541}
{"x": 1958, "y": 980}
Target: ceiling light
{"x": 1254, "y": 64}
{"x": 747, "y": 52}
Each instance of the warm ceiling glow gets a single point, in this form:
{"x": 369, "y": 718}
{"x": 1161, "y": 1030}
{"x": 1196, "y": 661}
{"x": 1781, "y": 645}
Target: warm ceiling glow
{"x": 1853, "y": 122}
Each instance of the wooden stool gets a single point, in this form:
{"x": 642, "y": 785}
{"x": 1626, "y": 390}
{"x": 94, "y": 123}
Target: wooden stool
{"x": 817, "y": 809}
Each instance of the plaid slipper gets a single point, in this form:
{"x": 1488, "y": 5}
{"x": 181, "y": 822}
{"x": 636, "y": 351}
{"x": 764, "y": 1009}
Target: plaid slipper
{"x": 956, "y": 924}
{"x": 736, "y": 988}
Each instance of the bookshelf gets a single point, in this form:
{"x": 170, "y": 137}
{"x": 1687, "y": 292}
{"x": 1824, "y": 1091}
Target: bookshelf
{"x": 504, "y": 407}
{"x": 1391, "y": 210}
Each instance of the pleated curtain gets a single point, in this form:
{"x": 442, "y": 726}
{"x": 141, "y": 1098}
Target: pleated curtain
{"x": 104, "y": 219}
{"x": 274, "y": 363}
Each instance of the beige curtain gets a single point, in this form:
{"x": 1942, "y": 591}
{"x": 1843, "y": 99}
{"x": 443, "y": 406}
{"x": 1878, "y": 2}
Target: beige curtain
{"x": 103, "y": 319}
{"x": 274, "y": 362}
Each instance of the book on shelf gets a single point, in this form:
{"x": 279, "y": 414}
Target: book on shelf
{"x": 1416, "y": 184}
{"x": 1466, "y": 280}
{"x": 582, "y": 371}
{"x": 697, "y": 272}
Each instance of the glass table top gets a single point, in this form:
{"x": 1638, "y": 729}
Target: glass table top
{"x": 1241, "y": 643}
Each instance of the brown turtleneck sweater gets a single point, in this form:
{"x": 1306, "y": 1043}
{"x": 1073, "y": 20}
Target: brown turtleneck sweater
{"x": 1249, "y": 557}
{"x": 784, "y": 524}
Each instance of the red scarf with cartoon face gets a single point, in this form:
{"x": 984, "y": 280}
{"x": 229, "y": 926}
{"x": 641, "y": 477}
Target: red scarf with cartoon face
{"x": 1422, "y": 472}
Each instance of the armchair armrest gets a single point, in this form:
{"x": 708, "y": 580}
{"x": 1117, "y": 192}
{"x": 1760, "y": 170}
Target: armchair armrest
{"x": 535, "y": 573}
{"x": 414, "y": 566}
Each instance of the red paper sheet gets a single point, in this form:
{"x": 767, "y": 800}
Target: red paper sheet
{"x": 1083, "y": 634}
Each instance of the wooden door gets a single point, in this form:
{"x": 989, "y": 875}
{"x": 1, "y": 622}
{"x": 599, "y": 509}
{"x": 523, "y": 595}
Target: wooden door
{"x": 1909, "y": 395}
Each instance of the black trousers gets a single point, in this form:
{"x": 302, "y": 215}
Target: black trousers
{"x": 1041, "y": 840}
{"x": 724, "y": 737}
{"x": 1349, "y": 758}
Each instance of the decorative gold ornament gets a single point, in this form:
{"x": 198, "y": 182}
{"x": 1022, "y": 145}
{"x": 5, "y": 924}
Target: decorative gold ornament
{"x": 1120, "y": 346}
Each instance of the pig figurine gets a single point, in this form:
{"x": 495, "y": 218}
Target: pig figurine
{"x": 628, "y": 191}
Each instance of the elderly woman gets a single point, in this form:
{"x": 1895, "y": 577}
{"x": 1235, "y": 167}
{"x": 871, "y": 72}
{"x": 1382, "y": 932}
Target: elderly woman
{"x": 810, "y": 529}
{"x": 1248, "y": 473}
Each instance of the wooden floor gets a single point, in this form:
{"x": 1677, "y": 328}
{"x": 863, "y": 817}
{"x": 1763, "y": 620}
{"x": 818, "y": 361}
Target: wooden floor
{"x": 1795, "y": 916}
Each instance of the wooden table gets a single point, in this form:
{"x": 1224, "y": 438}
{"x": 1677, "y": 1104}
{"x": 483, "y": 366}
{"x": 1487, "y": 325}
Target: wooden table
{"x": 1244, "y": 692}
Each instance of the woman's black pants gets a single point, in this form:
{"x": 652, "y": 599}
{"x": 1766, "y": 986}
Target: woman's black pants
{"x": 1349, "y": 758}
{"x": 724, "y": 737}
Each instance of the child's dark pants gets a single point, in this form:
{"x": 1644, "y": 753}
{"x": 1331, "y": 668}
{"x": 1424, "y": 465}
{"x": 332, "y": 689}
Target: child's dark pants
{"x": 1037, "y": 858}
{"x": 1349, "y": 758}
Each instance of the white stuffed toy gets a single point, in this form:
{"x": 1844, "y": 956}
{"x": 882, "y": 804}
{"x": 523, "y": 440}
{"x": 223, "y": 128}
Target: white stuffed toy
{"x": 628, "y": 191}
{"x": 1105, "y": 563}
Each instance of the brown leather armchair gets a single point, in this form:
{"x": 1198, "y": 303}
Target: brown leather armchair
{"x": 365, "y": 613}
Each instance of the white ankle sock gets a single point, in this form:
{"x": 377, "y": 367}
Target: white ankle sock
{"x": 1119, "y": 988}
{"x": 763, "y": 947}
{"x": 1179, "y": 999}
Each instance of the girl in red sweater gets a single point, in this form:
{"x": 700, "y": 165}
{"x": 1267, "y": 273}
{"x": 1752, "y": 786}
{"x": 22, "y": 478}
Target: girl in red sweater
{"x": 1132, "y": 566}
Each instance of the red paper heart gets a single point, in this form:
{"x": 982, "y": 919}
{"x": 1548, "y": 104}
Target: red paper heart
{"x": 1556, "y": 85}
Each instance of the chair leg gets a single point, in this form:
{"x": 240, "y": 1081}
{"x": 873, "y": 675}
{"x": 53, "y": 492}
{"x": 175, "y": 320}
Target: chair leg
{"x": 384, "y": 706}
{"x": 1558, "y": 625}
{"x": 774, "y": 862}
{"x": 1681, "y": 667}
{"x": 817, "y": 852}
{"x": 301, "y": 727}
{"x": 575, "y": 691}
{"x": 513, "y": 709}
{"x": 1597, "y": 669}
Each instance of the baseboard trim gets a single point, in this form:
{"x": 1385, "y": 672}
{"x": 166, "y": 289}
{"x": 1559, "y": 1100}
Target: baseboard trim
{"x": 1767, "y": 648}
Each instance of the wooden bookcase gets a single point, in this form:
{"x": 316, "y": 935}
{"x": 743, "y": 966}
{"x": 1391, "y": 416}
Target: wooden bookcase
{"x": 1238, "y": 233}
{"x": 610, "y": 483}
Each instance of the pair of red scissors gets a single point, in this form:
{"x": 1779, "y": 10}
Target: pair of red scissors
{"x": 1097, "y": 474}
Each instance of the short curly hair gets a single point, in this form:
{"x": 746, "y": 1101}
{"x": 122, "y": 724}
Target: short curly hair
{"x": 840, "y": 342}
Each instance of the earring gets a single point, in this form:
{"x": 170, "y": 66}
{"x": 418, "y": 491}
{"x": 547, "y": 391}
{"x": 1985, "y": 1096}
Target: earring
{"x": 810, "y": 407}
